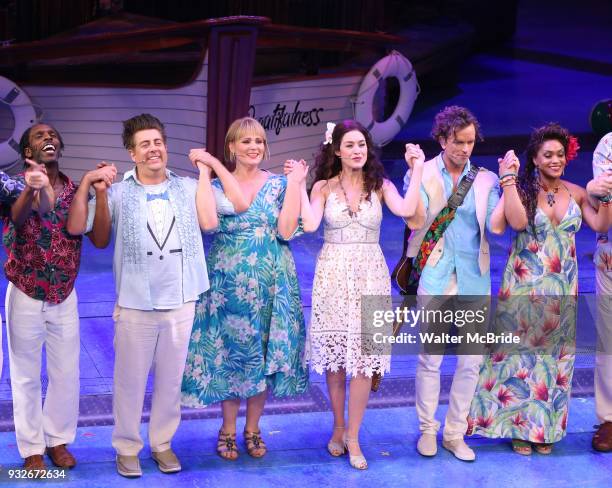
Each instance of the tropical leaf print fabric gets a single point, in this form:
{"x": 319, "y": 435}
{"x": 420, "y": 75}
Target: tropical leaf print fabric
{"x": 524, "y": 393}
{"x": 249, "y": 332}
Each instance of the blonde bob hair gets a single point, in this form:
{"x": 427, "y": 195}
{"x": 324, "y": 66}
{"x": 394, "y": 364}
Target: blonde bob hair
{"x": 238, "y": 129}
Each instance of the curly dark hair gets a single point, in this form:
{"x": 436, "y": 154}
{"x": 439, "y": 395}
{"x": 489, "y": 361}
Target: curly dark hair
{"x": 327, "y": 164}
{"x": 528, "y": 181}
{"x": 451, "y": 119}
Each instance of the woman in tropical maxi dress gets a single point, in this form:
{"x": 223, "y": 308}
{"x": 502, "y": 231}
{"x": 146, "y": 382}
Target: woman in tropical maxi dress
{"x": 249, "y": 334}
{"x": 523, "y": 393}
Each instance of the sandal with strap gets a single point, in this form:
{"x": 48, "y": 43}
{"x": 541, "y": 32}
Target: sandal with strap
{"x": 255, "y": 445}
{"x": 543, "y": 448}
{"x": 226, "y": 446}
{"x": 336, "y": 449}
{"x": 521, "y": 447}
{"x": 358, "y": 461}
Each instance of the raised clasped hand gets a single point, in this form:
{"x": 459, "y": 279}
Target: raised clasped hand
{"x": 509, "y": 163}
{"x": 414, "y": 155}
{"x": 296, "y": 170}
{"x": 103, "y": 176}
{"x": 202, "y": 159}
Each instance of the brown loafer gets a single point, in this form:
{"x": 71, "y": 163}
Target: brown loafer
{"x": 61, "y": 456}
{"x": 602, "y": 439}
{"x": 35, "y": 462}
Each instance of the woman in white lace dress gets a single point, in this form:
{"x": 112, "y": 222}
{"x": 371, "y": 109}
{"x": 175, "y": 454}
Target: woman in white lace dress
{"x": 348, "y": 192}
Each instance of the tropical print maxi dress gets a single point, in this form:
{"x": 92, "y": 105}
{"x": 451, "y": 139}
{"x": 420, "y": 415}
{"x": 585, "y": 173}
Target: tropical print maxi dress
{"x": 523, "y": 393}
{"x": 249, "y": 332}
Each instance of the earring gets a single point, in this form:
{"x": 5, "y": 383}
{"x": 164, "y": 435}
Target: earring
{"x": 233, "y": 156}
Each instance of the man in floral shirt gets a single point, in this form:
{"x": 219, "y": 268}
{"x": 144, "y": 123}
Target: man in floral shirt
{"x": 602, "y": 171}
{"x": 41, "y": 267}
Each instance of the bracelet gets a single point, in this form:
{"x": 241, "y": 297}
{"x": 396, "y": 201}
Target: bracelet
{"x": 605, "y": 204}
{"x": 508, "y": 184}
{"x": 507, "y": 174}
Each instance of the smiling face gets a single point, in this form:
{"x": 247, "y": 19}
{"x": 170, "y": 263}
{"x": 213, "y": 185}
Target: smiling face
{"x": 248, "y": 149}
{"x": 353, "y": 150}
{"x": 550, "y": 159}
{"x": 149, "y": 152}
{"x": 458, "y": 147}
{"x": 44, "y": 144}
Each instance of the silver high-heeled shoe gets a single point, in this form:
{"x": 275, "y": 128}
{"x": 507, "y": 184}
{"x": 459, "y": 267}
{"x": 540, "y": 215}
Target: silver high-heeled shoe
{"x": 336, "y": 449}
{"x": 357, "y": 462}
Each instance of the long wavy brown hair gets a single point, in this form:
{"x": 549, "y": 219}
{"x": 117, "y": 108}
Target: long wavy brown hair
{"x": 327, "y": 164}
{"x": 528, "y": 181}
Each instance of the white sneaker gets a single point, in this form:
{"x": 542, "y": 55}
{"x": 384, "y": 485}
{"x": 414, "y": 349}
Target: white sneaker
{"x": 427, "y": 445}
{"x": 459, "y": 449}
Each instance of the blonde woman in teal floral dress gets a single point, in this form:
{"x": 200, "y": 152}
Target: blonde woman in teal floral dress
{"x": 524, "y": 393}
{"x": 249, "y": 335}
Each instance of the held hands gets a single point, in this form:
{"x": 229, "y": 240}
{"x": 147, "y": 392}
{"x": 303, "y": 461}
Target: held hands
{"x": 296, "y": 171}
{"x": 36, "y": 175}
{"x": 414, "y": 155}
{"x": 600, "y": 186}
{"x": 103, "y": 176}
{"x": 508, "y": 164}
{"x": 203, "y": 160}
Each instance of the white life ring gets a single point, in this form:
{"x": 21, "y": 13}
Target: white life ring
{"x": 393, "y": 65}
{"x": 24, "y": 115}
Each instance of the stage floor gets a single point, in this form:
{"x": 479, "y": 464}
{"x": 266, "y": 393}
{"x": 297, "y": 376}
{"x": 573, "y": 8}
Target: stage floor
{"x": 297, "y": 457}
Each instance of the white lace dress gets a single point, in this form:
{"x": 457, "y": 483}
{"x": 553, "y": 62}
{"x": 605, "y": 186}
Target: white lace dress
{"x": 350, "y": 264}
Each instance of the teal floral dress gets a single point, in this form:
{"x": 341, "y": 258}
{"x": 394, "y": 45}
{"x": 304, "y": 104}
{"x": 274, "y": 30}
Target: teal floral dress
{"x": 249, "y": 332}
{"x": 523, "y": 392}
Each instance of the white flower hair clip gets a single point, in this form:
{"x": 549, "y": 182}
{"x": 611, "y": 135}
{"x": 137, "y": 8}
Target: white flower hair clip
{"x": 328, "y": 133}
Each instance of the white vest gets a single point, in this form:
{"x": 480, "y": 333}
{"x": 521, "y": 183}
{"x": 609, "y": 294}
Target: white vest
{"x": 434, "y": 187}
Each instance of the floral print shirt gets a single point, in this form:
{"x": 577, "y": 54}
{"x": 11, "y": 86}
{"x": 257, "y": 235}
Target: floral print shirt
{"x": 42, "y": 258}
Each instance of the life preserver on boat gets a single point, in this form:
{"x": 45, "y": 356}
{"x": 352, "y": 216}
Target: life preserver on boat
{"x": 393, "y": 65}
{"x": 24, "y": 116}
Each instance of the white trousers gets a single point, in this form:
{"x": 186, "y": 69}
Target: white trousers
{"x": 427, "y": 385}
{"x": 145, "y": 339}
{"x": 30, "y": 324}
{"x": 603, "y": 356}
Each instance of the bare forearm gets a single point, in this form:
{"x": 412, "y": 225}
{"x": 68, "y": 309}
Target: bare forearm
{"x": 22, "y": 207}
{"x": 309, "y": 220}
{"x": 46, "y": 200}
{"x": 289, "y": 214}
{"x": 514, "y": 211}
{"x": 603, "y": 218}
{"x": 417, "y": 221}
{"x": 101, "y": 230}
{"x": 231, "y": 188}
{"x": 77, "y": 214}
{"x": 412, "y": 198}
{"x": 205, "y": 204}
{"x": 497, "y": 221}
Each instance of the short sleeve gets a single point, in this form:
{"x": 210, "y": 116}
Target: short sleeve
{"x": 280, "y": 199}
{"x": 224, "y": 206}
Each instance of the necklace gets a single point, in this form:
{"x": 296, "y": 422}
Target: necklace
{"x": 550, "y": 193}
{"x": 350, "y": 211}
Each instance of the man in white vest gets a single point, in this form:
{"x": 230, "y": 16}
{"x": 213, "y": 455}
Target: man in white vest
{"x": 457, "y": 265}
{"x": 601, "y": 188}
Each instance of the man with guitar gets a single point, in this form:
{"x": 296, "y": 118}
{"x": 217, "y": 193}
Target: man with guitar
{"x": 449, "y": 255}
